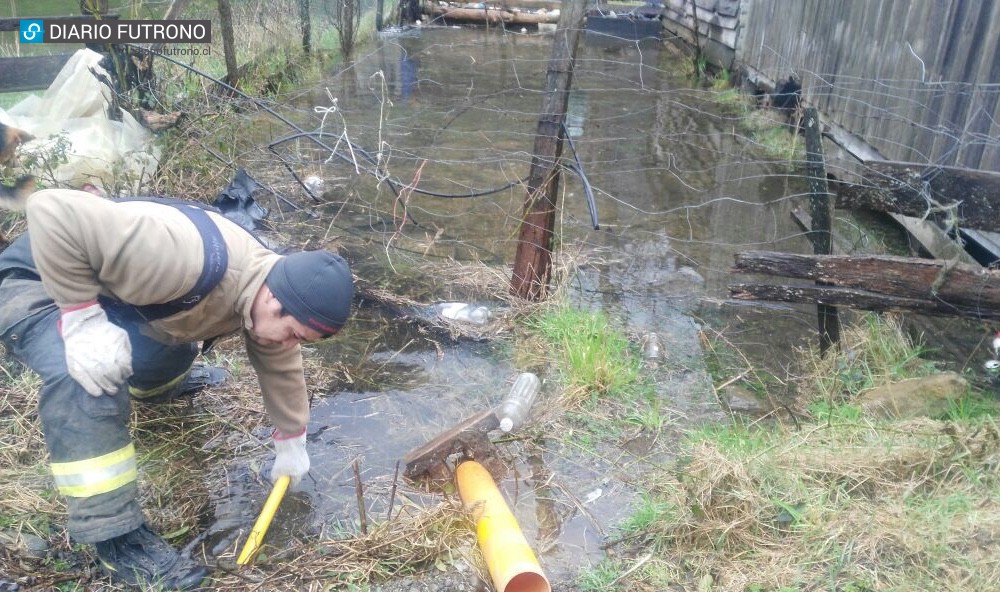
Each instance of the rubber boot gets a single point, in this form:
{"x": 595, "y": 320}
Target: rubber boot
{"x": 202, "y": 376}
{"x": 197, "y": 379}
{"x": 142, "y": 558}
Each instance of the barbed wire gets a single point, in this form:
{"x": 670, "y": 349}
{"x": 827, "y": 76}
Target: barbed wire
{"x": 703, "y": 168}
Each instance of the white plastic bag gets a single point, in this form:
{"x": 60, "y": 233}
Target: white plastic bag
{"x": 76, "y": 104}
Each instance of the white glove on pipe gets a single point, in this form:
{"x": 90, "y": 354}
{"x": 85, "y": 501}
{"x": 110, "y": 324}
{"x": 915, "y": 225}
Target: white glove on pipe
{"x": 291, "y": 457}
{"x": 98, "y": 352}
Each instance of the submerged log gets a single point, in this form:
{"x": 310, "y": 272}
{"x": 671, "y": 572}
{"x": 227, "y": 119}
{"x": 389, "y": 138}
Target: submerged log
{"x": 956, "y": 196}
{"x": 875, "y": 282}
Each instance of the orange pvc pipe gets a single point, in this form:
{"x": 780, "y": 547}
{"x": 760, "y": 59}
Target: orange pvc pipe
{"x": 512, "y": 564}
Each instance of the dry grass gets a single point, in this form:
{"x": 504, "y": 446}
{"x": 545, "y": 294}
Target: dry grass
{"x": 847, "y": 503}
{"x": 874, "y": 352}
{"x": 414, "y": 539}
{"x": 909, "y": 506}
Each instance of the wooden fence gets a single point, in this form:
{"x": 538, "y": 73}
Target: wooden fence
{"x": 918, "y": 80}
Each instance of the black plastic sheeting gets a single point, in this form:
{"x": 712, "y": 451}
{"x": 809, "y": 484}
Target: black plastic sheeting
{"x": 236, "y": 202}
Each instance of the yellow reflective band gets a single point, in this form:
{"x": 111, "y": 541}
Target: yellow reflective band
{"x": 139, "y": 393}
{"x": 93, "y": 476}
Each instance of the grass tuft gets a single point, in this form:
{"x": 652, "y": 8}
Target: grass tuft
{"x": 874, "y": 352}
{"x": 595, "y": 358}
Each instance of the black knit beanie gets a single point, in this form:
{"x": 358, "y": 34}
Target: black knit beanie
{"x": 315, "y": 287}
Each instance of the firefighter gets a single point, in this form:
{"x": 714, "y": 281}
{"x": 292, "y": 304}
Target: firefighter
{"x": 108, "y": 301}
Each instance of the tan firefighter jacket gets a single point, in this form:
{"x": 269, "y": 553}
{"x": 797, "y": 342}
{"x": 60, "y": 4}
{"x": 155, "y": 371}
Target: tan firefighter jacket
{"x": 146, "y": 253}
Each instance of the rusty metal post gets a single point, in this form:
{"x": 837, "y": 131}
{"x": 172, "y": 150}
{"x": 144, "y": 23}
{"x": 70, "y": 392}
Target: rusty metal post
{"x": 533, "y": 261}
{"x": 821, "y": 232}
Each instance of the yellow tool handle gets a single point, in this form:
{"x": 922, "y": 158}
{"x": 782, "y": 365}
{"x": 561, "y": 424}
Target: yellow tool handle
{"x": 256, "y": 538}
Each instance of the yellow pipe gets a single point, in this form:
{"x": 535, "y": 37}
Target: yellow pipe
{"x": 512, "y": 564}
{"x": 256, "y": 538}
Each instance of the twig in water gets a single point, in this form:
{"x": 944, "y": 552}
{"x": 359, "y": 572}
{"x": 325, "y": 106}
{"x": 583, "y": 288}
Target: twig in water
{"x": 359, "y": 490}
{"x": 392, "y": 492}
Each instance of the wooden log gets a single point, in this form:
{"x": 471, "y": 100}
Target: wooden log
{"x": 491, "y": 16}
{"x": 948, "y": 283}
{"x": 953, "y": 195}
{"x": 860, "y": 299}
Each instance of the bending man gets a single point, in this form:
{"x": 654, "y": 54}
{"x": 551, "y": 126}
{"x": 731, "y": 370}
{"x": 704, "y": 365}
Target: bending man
{"x": 107, "y": 301}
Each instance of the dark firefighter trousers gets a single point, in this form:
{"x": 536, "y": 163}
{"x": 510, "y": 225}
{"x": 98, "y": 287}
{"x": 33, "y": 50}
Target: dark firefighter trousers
{"x": 93, "y": 459}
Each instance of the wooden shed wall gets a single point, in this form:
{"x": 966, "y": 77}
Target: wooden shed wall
{"x": 919, "y": 80}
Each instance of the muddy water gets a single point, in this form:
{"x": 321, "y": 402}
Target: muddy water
{"x": 677, "y": 193}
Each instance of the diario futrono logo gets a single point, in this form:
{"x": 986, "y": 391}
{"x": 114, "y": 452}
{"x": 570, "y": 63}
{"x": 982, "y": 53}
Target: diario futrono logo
{"x": 32, "y": 31}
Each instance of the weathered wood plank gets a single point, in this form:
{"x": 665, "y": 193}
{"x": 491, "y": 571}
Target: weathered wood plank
{"x": 859, "y": 299}
{"x": 983, "y": 243}
{"x": 933, "y": 240}
{"x": 916, "y": 78}
{"x": 948, "y": 283}
{"x": 964, "y": 197}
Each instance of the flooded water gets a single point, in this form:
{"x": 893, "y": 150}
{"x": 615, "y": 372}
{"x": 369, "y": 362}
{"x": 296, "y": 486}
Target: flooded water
{"x": 678, "y": 190}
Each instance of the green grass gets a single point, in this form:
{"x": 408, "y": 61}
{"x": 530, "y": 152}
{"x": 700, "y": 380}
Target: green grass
{"x": 875, "y": 351}
{"x": 652, "y": 510}
{"x": 593, "y": 356}
{"x": 763, "y": 128}
{"x": 600, "y": 577}
{"x": 734, "y": 439}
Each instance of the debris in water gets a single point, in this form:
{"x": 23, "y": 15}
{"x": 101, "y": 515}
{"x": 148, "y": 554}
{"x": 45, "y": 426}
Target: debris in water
{"x": 651, "y": 349}
{"x": 593, "y": 495}
{"x": 464, "y": 312}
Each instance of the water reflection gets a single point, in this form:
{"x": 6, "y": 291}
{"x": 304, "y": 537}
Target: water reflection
{"x": 458, "y": 109}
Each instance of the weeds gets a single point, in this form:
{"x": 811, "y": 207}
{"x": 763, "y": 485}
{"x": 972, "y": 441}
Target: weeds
{"x": 874, "y": 351}
{"x": 847, "y": 503}
{"x": 595, "y": 359}
{"x": 765, "y": 129}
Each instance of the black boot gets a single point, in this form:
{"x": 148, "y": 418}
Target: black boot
{"x": 142, "y": 558}
{"x": 202, "y": 376}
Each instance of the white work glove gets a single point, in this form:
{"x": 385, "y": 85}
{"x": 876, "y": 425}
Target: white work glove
{"x": 291, "y": 457}
{"x": 98, "y": 352}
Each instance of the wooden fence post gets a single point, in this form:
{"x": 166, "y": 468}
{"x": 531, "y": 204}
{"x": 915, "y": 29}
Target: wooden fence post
{"x": 821, "y": 233}
{"x": 533, "y": 261}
